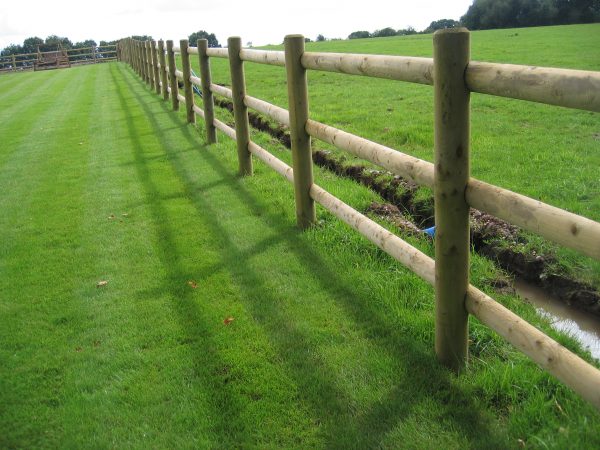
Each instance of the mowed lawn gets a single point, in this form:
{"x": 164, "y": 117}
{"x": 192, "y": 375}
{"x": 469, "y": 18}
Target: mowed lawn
{"x": 221, "y": 325}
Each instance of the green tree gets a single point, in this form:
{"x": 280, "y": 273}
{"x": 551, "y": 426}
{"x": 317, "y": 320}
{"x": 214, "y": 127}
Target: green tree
{"x": 440, "y": 25}
{"x": 53, "y": 41}
{"x": 30, "y": 45}
{"x": 12, "y": 49}
{"x": 321, "y": 38}
{"x": 385, "y": 32}
{"x": 211, "y": 38}
{"x": 359, "y": 35}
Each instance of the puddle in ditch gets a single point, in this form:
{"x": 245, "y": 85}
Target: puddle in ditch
{"x": 584, "y": 327}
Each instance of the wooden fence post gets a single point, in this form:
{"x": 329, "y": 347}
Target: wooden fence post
{"x": 451, "y": 50}
{"x": 240, "y": 111}
{"x": 94, "y": 54}
{"x": 163, "y": 69}
{"x": 301, "y": 150}
{"x": 144, "y": 61}
{"x": 172, "y": 77}
{"x": 149, "y": 65}
{"x": 14, "y": 63}
{"x": 188, "y": 90}
{"x": 207, "y": 96}
{"x": 155, "y": 67}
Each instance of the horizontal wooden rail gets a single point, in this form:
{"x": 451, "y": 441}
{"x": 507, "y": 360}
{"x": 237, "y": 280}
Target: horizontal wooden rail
{"x": 411, "y": 69}
{"x": 225, "y": 129}
{"x": 569, "y": 368}
{"x": 278, "y": 114}
{"x": 192, "y": 50}
{"x": 562, "y": 87}
{"x": 181, "y": 98}
{"x": 196, "y": 81}
{"x": 179, "y": 74}
{"x": 555, "y": 224}
{"x": 221, "y": 90}
{"x": 198, "y": 111}
{"x": 217, "y": 52}
{"x": 417, "y": 170}
{"x": 176, "y": 49}
{"x": 273, "y": 58}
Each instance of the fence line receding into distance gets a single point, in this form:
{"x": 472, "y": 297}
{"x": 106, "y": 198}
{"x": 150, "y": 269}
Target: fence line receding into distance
{"x": 453, "y": 77}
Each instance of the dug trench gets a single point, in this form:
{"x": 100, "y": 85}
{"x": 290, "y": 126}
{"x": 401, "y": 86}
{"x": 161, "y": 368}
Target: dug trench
{"x": 411, "y": 212}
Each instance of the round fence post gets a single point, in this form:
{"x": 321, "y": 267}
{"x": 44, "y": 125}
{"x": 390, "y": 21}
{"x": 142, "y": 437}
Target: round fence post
{"x": 301, "y": 149}
{"x": 172, "y": 78}
{"x": 155, "y": 67}
{"x": 163, "y": 69}
{"x": 149, "y": 70}
{"x": 188, "y": 90}
{"x": 451, "y": 50}
{"x": 207, "y": 95}
{"x": 240, "y": 111}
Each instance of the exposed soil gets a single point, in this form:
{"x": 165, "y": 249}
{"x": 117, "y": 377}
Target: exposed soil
{"x": 490, "y": 236}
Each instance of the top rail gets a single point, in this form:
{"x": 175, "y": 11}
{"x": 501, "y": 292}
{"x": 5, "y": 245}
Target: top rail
{"x": 402, "y": 68}
{"x": 217, "y": 52}
{"x": 579, "y": 89}
{"x": 273, "y": 58}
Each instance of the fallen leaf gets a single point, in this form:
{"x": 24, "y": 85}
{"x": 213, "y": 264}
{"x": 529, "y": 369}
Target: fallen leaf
{"x": 125, "y": 215}
{"x": 78, "y": 349}
{"x": 111, "y": 217}
{"x": 228, "y": 320}
{"x": 521, "y": 443}
{"x": 101, "y": 283}
{"x": 193, "y": 284}
{"x": 96, "y": 343}
{"x": 81, "y": 143}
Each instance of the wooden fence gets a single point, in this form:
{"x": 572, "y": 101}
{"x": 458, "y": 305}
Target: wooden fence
{"x": 86, "y": 55}
{"x": 453, "y": 77}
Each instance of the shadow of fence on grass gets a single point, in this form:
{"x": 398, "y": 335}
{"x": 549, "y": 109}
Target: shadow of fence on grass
{"x": 424, "y": 379}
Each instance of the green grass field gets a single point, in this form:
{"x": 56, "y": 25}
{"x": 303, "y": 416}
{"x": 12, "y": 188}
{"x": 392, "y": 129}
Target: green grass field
{"x": 331, "y": 343}
{"x": 545, "y": 152}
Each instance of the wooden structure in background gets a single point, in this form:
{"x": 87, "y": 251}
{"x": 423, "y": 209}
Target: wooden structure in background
{"x": 52, "y": 60}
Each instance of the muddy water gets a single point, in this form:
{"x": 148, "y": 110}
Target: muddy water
{"x": 584, "y": 327}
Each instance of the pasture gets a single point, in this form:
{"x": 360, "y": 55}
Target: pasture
{"x": 222, "y": 325}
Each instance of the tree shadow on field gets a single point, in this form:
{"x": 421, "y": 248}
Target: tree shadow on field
{"x": 340, "y": 421}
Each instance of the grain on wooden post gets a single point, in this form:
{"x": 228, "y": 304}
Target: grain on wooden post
{"x": 149, "y": 65}
{"x": 207, "y": 95}
{"x": 240, "y": 111}
{"x": 163, "y": 69}
{"x": 301, "y": 152}
{"x": 451, "y": 50}
{"x": 172, "y": 77}
{"x": 188, "y": 90}
{"x": 144, "y": 61}
{"x": 155, "y": 67}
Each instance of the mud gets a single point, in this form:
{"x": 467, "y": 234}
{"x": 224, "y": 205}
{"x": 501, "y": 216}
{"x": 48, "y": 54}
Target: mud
{"x": 490, "y": 236}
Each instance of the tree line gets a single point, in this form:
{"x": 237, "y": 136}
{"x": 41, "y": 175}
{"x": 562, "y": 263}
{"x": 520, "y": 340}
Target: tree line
{"x": 51, "y": 43}
{"x": 488, "y": 14}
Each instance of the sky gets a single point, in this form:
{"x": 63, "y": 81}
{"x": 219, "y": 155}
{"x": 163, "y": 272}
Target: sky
{"x": 260, "y": 22}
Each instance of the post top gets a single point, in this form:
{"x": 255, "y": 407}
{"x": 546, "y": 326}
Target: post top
{"x": 458, "y": 30}
{"x": 294, "y": 36}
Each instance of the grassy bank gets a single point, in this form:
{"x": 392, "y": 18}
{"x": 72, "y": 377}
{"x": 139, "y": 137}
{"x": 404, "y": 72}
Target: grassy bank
{"x": 331, "y": 342}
